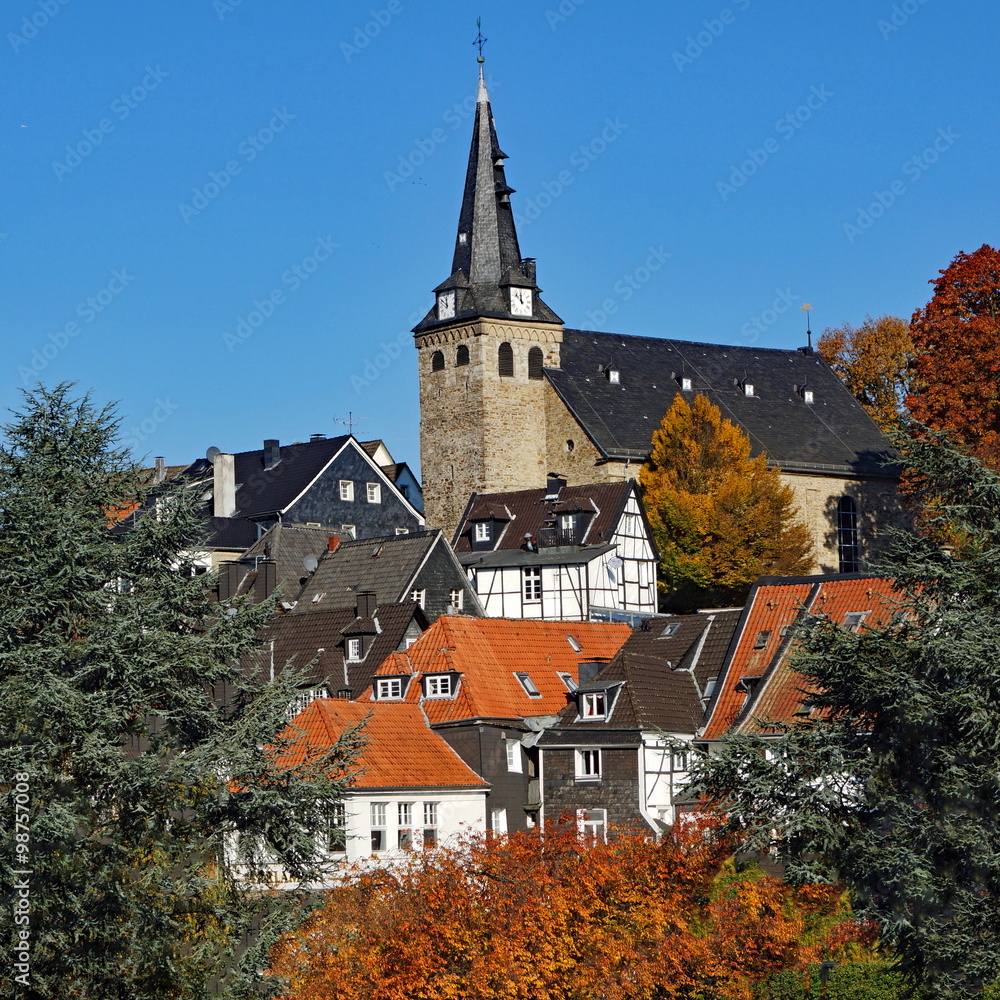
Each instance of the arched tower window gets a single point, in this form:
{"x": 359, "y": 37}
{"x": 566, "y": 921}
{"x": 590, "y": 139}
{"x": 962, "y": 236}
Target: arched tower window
{"x": 535, "y": 359}
{"x": 505, "y": 360}
{"x": 462, "y": 355}
{"x": 437, "y": 362}
{"x": 848, "y": 543}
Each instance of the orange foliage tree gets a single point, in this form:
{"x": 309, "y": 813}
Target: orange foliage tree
{"x": 956, "y": 368}
{"x": 551, "y": 917}
{"x": 873, "y": 361}
{"x": 720, "y": 518}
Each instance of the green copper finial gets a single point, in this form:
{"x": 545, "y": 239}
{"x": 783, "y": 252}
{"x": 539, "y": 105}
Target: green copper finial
{"x": 480, "y": 41}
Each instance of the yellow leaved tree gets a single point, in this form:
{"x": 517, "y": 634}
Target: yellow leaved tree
{"x": 720, "y": 518}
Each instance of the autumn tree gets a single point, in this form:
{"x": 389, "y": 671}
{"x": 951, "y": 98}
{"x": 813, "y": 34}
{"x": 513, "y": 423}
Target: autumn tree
{"x": 552, "y": 917}
{"x": 125, "y": 784}
{"x": 956, "y": 367}
{"x": 720, "y": 518}
{"x": 873, "y": 361}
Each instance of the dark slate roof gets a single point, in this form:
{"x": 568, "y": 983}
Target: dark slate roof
{"x": 288, "y": 546}
{"x": 235, "y": 533}
{"x": 529, "y": 512}
{"x": 383, "y": 566}
{"x": 832, "y": 433}
{"x": 303, "y": 635}
{"x": 556, "y": 555}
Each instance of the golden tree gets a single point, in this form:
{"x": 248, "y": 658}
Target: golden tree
{"x": 720, "y": 518}
{"x": 873, "y": 361}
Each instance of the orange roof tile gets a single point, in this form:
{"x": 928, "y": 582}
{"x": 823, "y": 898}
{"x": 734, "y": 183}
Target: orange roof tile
{"x": 402, "y": 751}
{"x": 489, "y": 652}
{"x": 762, "y": 652}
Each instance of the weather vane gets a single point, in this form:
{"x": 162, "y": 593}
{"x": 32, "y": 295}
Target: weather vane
{"x": 480, "y": 41}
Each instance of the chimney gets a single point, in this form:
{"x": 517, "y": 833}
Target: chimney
{"x": 317, "y": 437}
{"x": 332, "y": 543}
{"x": 553, "y": 484}
{"x": 161, "y": 470}
{"x": 589, "y": 669}
{"x": 528, "y": 269}
{"x": 272, "y": 453}
{"x": 231, "y": 575}
{"x": 365, "y": 607}
{"x": 224, "y": 487}
{"x": 266, "y": 580}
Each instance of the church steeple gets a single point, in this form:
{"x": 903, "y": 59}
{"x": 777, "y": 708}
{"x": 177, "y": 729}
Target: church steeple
{"x": 488, "y": 277}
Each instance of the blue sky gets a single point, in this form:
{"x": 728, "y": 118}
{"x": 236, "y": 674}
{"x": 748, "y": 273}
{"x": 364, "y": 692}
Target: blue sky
{"x": 694, "y": 170}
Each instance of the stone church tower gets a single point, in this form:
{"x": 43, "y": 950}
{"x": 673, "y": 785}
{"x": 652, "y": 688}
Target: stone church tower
{"x": 482, "y": 348}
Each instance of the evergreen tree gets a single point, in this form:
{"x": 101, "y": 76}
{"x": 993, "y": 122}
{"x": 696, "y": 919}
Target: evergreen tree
{"x": 895, "y": 787}
{"x": 720, "y": 518}
{"x": 129, "y": 790}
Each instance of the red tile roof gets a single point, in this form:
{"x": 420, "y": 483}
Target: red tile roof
{"x": 489, "y": 652}
{"x": 402, "y": 752}
{"x": 773, "y": 606}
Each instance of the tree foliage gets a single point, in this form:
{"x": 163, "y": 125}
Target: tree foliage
{"x": 895, "y": 788}
{"x": 123, "y": 776}
{"x": 873, "y": 361}
{"x": 550, "y": 917}
{"x": 956, "y": 367}
{"x": 720, "y": 518}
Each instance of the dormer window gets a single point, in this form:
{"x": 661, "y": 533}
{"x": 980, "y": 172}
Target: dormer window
{"x": 463, "y": 239}
{"x": 614, "y": 376}
{"x": 807, "y": 395}
{"x": 747, "y": 388}
{"x": 438, "y": 686}
{"x": 482, "y": 531}
{"x": 354, "y": 649}
{"x": 686, "y": 384}
{"x": 389, "y": 688}
{"x": 593, "y": 705}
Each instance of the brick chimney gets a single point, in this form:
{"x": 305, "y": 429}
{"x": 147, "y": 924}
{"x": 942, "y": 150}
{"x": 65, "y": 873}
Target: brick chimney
{"x": 332, "y": 543}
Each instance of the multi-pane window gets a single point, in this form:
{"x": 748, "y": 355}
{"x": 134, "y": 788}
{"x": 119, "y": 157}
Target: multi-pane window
{"x": 419, "y": 596}
{"x": 482, "y": 531}
{"x": 679, "y": 760}
{"x": 336, "y": 839}
{"x": 513, "y": 755}
{"x": 455, "y": 598}
{"x": 848, "y": 542}
{"x": 588, "y": 765}
{"x": 404, "y": 838}
{"x": 354, "y": 649}
{"x": 531, "y": 581}
{"x": 592, "y": 824}
{"x": 438, "y": 686}
{"x": 430, "y": 824}
{"x": 388, "y": 688}
{"x": 346, "y": 489}
{"x": 378, "y": 810}
{"x": 593, "y": 705}
{"x": 374, "y": 491}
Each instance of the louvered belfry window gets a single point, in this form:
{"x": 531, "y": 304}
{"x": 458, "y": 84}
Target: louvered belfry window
{"x": 461, "y": 356}
{"x": 505, "y": 360}
{"x": 437, "y": 362}
{"x": 535, "y": 360}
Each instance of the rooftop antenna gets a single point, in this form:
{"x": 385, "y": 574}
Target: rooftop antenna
{"x": 480, "y": 41}
{"x": 350, "y": 421}
{"x": 806, "y": 308}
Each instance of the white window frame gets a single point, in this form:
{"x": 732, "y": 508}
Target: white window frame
{"x": 419, "y": 596}
{"x": 438, "y": 686}
{"x": 594, "y": 705}
{"x": 388, "y": 688}
{"x": 529, "y": 686}
{"x": 430, "y": 838}
{"x": 531, "y": 584}
{"x": 354, "y": 650}
{"x": 349, "y": 530}
{"x": 377, "y": 813}
{"x": 337, "y": 828}
{"x": 402, "y": 531}
{"x": 456, "y": 598}
{"x": 346, "y": 489}
{"x": 592, "y": 824}
{"x": 404, "y": 828}
{"x": 481, "y": 532}
{"x": 514, "y": 756}
{"x": 588, "y": 764}
{"x": 373, "y": 492}
{"x": 567, "y": 679}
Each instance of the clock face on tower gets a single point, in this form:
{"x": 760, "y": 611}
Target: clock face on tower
{"x": 520, "y": 301}
{"x": 446, "y": 305}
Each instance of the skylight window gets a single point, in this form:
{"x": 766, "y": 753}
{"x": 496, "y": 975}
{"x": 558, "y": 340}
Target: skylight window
{"x": 574, "y": 643}
{"x": 763, "y": 638}
{"x": 670, "y": 630}
{"x": 567, "y": 679}
{"x": 853, "y": 620}
{"x": 529, "y": 685}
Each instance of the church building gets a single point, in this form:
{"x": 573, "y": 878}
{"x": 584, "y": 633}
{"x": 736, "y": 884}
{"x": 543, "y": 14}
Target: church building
{"x": 509, "y": 395}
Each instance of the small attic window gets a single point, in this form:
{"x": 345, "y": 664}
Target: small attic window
{"x": 747, "y": 388}
{"x": 686, "y": 384}
{"x": 613, "y": 375}
{"x": 807, "y": 396}
{"x": 529, "y": 685}
{"x": 853, "y": 620}
{"x": 670, "y": 630}
{"x": 574, "y": 643}
{"x": 567, "y": 680}
{"x": 463, "y": 238}
{"x": 762, "y": 640}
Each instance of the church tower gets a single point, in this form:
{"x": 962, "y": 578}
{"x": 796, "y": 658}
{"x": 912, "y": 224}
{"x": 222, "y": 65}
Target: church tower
{"x": 482, "y": 348}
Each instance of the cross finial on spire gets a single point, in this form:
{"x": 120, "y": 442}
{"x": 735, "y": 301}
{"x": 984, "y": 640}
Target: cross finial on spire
{"x": 806, "y": 308}
{"x": 480, "y": 41}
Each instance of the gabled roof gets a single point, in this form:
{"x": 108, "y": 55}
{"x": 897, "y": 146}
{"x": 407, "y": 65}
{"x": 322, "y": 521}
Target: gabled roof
{"x": 528, "y": 512}
{"x": 760, "y": 651}
{"x": 401, "y": 750}
{"x": 489, "y": 652}
{"x": 832, "y": 433}
{"x": 318, "y": 634}
{"x": 385, "y": 566}
{"x": 289, "y": 547}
